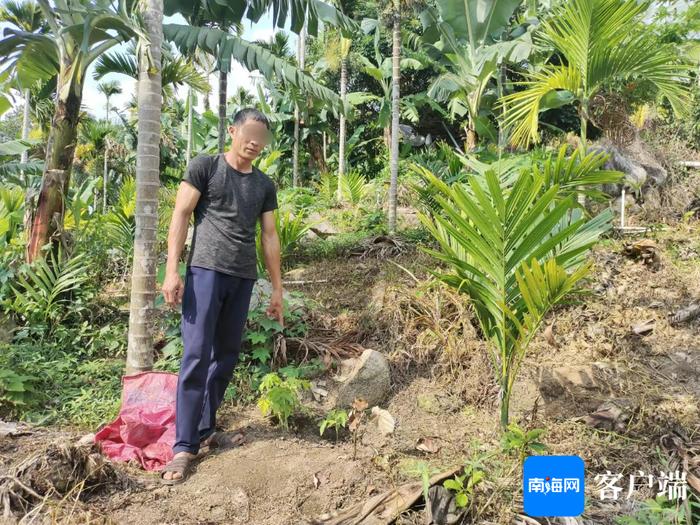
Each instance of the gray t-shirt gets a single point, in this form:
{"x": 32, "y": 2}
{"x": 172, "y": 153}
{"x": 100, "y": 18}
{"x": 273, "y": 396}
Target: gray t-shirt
{"x": 226, "y": 215}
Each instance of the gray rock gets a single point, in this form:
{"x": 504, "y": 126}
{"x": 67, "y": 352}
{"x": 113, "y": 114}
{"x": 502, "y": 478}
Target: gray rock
{"x": 369, "y": 379}
{"x": 640, "y": 168}
{"x": 262, "y": 290}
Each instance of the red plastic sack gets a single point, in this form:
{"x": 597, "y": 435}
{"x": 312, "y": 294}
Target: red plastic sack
{"x": 145, "y": 427}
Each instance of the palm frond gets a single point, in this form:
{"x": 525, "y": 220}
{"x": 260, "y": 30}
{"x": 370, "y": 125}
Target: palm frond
{"x": 227, "y": 47}
{"x": 353, "y": 186}
{"x": 523, "y": 107}
{"x": 514, "y": 247}
{"x": 43, "y": 288}
{"x": 120, "y": 62}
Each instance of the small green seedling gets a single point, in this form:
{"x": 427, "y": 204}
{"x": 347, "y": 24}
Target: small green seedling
{"x": 463, "y": 486}
{"x": 337, "y": 419}
{"x": 515, "y": 439}
{"x": 425, "y": 472}
{"x": 280, "y": 397}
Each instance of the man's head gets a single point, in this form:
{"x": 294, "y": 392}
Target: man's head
{"x": 250, "y": 133}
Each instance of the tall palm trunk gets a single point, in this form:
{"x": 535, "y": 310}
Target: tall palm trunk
{"x": 301, "y": 52}
{"x": 500, "y": 83}
{"x": 325, "y": 147}
{"x": 207, "y": 104}
{"x": 341, "y": 130}
{"x": 190, "y": 121}
{"x": 223, "y": 89}
{"x": 105, "y": 178}
{"x": 143, "y": 277}
{"x": 26, "y": 125}
{"x": 104, "y": 168}
{"x": 395, "y": 79}
{"x": 59, "y": 160}
{"x": 28, "y": 201}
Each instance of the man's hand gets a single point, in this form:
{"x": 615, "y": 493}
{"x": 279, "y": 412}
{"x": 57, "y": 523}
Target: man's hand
{"x": 173, "y": 289}
{"x": 275, "y": 310}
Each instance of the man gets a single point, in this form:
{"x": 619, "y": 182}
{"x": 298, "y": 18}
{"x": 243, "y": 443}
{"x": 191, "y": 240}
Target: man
{"x": 228, "y": 195}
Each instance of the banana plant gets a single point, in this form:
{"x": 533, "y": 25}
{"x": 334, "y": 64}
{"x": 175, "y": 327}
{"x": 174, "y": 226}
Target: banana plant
{"x": 599, "y": 42}
{"x": 469, "y": 41}
{"x": 78, "y": 33}
{"x": 516, "y": 248}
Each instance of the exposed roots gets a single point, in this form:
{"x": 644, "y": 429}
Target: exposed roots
{"x": 44, "y": 482}
{"x": 328, "y": 350}
{"x": 380, "y": 247}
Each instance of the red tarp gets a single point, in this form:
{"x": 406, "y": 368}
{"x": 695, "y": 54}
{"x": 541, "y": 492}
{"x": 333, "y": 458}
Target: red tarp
{"x": 144, "y": 430}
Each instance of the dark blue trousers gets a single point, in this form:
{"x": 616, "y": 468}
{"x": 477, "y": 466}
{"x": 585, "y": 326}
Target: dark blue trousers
{"x": 214, "y": 312}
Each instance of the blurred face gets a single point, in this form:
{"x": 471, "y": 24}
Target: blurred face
{"x": 249, "y": 139}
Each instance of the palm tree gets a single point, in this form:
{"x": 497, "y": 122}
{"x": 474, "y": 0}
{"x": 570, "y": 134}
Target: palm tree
{"x": 387, "y": 72}
{"x": 143, "y": 277}
{"x": 516, "y": 247}
{"x": 108, "y": 89}
{"x": 337, "y": 51}
{"x": 241, "y": 98}
{"x": 76, "y": 36}
{"x": 95, "y": 133}
{"x": 395, "y": 109}
{"x": 301, "y": 60}
{"x": 344, "y": 49}
{"x": 602, "y": 42}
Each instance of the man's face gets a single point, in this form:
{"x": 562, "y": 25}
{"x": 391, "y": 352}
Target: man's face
{"x": 249, "y": 139}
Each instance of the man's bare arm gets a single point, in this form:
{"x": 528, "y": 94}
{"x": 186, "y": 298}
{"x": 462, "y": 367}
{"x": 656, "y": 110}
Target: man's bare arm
{"x": 271, "y": 251}
{"x": 185, "y": 202}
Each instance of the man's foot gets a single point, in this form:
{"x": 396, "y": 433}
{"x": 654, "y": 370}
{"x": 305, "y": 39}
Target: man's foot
{"x": 178, "y": 469}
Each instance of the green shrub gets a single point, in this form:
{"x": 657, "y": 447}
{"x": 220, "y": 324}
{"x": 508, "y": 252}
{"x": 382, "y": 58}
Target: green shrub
{"x": 280, "y": 398}
{"x": 335, "y": 419}
{"x": 15, "y": 390}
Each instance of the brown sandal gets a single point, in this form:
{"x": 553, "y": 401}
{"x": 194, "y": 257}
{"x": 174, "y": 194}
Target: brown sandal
{"x": 181, "y": 465}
